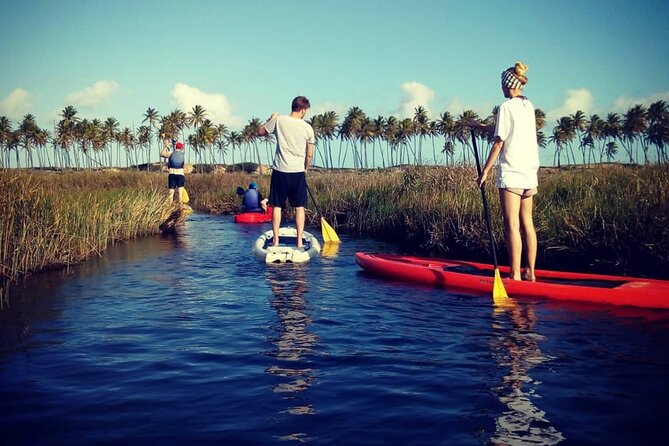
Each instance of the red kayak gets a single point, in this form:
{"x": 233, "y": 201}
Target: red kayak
{"x": 477, "y": 278}
{"x": 255, "y": 217}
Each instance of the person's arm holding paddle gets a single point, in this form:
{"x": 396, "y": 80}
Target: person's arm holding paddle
{"x": 262, "y": 131}
{"x": 166, "y": 149}
{"x": 483, "y": 127}
{"x": 490, "y": 162}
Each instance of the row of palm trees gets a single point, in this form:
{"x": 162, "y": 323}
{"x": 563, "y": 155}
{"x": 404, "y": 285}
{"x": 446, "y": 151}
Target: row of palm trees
{"x": 639, "y": 135}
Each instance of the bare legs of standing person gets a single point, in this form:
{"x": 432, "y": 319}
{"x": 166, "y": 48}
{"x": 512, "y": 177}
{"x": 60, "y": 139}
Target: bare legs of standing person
{"x": 299, "y": 222}
{"x": 276, "y": 224}
{"x": 517, "y": 212}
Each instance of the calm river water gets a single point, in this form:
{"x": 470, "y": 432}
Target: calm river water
{"x": 189, "y": 340}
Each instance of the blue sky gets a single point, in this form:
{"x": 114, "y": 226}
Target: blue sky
{"x": 245, "y": 59}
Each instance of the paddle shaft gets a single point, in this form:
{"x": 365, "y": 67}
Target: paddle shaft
{"x": 314, "y": 201}
{"x": 486, "y": 212}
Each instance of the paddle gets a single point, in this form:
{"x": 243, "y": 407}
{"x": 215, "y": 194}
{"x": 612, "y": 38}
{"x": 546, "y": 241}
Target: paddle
{"x": 329, "y": 234}
{"x": 499, "y": 295}
{"x": 184, "y": 196}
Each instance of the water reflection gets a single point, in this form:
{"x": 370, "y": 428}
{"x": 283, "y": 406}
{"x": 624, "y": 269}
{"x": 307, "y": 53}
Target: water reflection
{"x": 42, "y": 298}
{"x": 293, "y": 341}
{"x": 515, "y": 346}
{"x": 330, "y": 249}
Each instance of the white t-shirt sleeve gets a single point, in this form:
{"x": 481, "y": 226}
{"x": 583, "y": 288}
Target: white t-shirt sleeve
{"x": 504, "y": 123}
{"x": 270, "y": 126}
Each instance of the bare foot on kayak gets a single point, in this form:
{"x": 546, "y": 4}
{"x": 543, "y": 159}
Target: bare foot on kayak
{"x": 529, "y": 275}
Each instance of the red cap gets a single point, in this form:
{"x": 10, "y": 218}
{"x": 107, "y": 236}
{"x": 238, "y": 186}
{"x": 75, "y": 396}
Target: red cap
{"x": 180, "y": 145}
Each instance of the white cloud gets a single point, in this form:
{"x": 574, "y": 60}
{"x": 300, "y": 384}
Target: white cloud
{"x": 576, "y": 100}
{"x": 415, "y": 94}
{"x": 92, "y": 96}
{"x": 217, "y": 106}
{"x": 327, "y": 107}
{"x": 17, "y": 104}
{"x": 624, "y": 103}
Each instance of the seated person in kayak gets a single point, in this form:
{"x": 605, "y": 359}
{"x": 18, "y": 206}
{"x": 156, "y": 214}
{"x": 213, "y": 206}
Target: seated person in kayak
{"x": 252, "y": 200}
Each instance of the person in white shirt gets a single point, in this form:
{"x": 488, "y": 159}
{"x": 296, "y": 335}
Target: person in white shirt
{"x": 515, "y": 145}
{"x": 294, "y": 151}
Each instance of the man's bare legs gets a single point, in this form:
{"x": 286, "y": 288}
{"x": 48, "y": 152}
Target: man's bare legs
{"x": 530, "y": 236}
{"x": 299, "y": 222}
{"x": 276, "y": 224}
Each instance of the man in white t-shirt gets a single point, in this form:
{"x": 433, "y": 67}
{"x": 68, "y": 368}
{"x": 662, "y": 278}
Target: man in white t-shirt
{"x": 516, "y": 146}
{"x": 294, "y": 150}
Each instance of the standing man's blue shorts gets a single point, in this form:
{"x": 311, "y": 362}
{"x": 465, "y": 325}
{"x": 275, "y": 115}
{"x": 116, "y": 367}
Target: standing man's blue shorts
{"x": 291, "y": 186}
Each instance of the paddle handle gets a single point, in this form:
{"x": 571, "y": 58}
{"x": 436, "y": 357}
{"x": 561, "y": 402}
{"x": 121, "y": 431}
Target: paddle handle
{"x": 314, "y": 200}
{"x": 486, "y": 211}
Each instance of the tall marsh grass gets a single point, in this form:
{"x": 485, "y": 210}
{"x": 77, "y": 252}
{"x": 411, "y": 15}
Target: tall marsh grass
{"x": 607, "y": 218}
{"x": 54, "y": 219}
{"x": 612, "y": 219}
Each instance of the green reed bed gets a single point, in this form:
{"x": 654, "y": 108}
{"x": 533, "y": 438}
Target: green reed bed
{"x": 606, "y": 219}
{"x": 609, "y": 218}
{"x": 215, "y": 192}
{"x": 54, "y": 219}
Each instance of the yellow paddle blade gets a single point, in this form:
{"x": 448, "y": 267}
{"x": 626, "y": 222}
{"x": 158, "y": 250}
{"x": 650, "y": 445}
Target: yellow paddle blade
{"x": 184, "y": 196}
{"x": 499, "y": 296}
{"x": 330, "y": 249}
{"x": 329, "y": 234}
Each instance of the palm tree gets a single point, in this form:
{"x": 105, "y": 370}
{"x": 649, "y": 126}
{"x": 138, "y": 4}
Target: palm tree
{"x": 611, "y": 149}
{"x": 404, "y": 134}
{"x": 221, "y": 135}
{"x": 127, "y": 140}
{"x": 446, "y": 128}
{"x": 365, "y": 135}
{"x": 348, "y": 132}
{"x": 235, "y": 140}
{"x": 462, "y": 132}
{"x": 196, "y": 117}
{"x": 579, "y": 123}
{"x": 421, "y": 129}
{"x": 316, "y": 122}
{"x": 27, "y": 133}
{"x": 612, "y": 129}
{"x": 67, "y": 132}
{"x": 5, "y": 135}
{"x": 250, "y": 134}
{"x": 658, "y": 128}
{"x": 379, "y": 125}
{"x": 91, "y": 139}
{"x": 152, "y": 117}
{"x": 539, "y": 118}
{"x": 144, "y": 137}
{"x": 109, "y": 132}
{"x": 390, "y": 132}
{"x": 594, "y": 132}
{"x": 634, "y": 125}
{"x": 328, "y": 131}
{"x": 563, "y": 135}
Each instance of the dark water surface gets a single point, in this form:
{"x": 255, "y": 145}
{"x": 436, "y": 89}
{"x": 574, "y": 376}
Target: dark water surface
{"x": 189, "y": 340}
